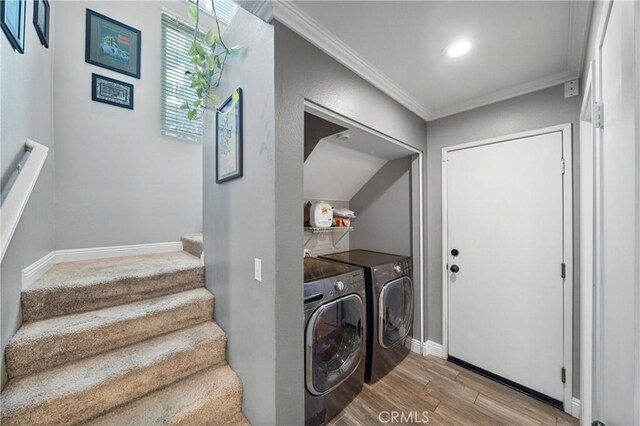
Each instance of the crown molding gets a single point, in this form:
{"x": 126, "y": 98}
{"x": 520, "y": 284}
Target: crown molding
{"x": 287, "y": 13}
{"x": 501, "y": 95}
{"x": 308, "y": 28}
{"x": 579, "y": 20}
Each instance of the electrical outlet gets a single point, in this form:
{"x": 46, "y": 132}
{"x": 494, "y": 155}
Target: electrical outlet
{"x": 572, "y": 88}
{"x": 257, "y": 269}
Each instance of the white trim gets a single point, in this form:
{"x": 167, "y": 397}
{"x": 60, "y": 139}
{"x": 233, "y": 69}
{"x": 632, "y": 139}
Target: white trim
{"x": 433, "y": 348}
{"x": 307, "y": 27}
{"x": 598, "y": 408}
{"x": 587, "y": 239}
{"x": 18, "y": 196}
{"x": 116, "y": 251}
{"x": 579, "y": 20}
{"x": 504, "y": 94}
{"x": 414, "y": 345}
{"x": 576, "y": 410}
{"x": 567, "y": 246}
{"x": 33, "y": 272}
{"x": 334, "y": 117}
{"x": 427, "y": 348}
{"x": 37, "y": 269}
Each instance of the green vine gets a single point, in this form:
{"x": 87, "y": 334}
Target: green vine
{"x": 208, "y": 55}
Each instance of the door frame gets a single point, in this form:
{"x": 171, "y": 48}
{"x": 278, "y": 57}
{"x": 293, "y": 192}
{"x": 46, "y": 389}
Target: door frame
{"x": 567, "y": 249}
{"x": 597, "y": 369}
{"x": 336, "y": 118}
{"x": 588, "y": 276}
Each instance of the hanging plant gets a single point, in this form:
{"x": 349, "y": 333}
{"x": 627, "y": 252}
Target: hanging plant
{"x": 209, "y": 55}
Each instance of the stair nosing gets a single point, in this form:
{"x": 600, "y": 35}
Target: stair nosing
{"x": 51, "y": 394}
{"x": 111, "y": 320}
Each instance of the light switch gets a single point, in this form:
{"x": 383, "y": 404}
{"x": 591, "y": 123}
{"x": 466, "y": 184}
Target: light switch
{"x": 257, "y": 266}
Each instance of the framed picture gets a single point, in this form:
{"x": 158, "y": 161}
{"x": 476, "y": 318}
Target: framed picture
{"x": 12, "y": 21}
{"x": 41, "y": 20}
{"x": 229, "y": 139}
{"x": 110, "y": 91}
{"x": 112, "y": 45}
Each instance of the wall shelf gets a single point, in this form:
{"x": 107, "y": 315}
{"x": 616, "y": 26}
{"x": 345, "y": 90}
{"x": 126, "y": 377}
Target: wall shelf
{"x": 333, "y": 230}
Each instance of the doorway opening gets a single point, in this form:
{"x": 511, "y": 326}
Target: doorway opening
{"x": 369, "y": 160}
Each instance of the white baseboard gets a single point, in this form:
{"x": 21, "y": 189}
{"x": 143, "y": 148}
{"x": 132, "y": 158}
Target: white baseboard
{"x": 414, "y": 345}
{"x": 115, "y": 251}
{"x": 433, "y": 348}
{"x": 427, "y": 348}
{"x": 37, "y": 269}
{"x": 575, "y": 408}
{"x": 31, "y": 273}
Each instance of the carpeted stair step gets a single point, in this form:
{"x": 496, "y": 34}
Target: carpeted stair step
{"x": 210, "y": 397}
{"x": 192, "y": 244}
{"x": 49, "y": 343}
{"x": 77, "y": 392}
{"x": 86, "y": 285}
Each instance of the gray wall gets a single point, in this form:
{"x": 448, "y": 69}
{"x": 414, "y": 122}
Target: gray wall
{"x": 384, "y": 207}
{"x": 26, "y": 112}
{"x": 316, "y": 128}
{"x": 304, "y": 72}
{"x": 533, "y": 111}
{"x": 239, "y": 224}
{"x": 119, "y": 181}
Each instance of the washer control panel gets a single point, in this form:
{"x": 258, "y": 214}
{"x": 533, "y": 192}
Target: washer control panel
{"x": 344, "y": 284}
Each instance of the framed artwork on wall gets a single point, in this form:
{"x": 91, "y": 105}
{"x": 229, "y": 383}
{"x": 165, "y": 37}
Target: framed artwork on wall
{"x": 112, "y": 45}
{"x": 229, "y": 138}
{"x": 41, "y": 20}
{"x": 110, "y": 91}
{"x": 12, "y": 21}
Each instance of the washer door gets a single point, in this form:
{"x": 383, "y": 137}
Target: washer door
{"x": 395, "y": 311}
{"x": 334, "y": 343}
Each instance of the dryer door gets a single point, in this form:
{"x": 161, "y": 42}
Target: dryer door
{"x": 395, "y": 311}
{"x": 334, "y": 343}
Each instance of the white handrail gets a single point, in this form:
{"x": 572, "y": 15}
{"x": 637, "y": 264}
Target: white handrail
{"x": 16, "y": 200}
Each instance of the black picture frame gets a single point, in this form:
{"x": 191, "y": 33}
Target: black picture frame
{"x": 112, "y": 45}
{"x": 41, "y": 19}
{"x": 13, "y": 21}
{"x": 229, "y": 131}
{"x": 111, "y": 91}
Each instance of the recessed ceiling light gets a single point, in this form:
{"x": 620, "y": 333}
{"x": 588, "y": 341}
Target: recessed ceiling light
{"x": 458, "y": 48}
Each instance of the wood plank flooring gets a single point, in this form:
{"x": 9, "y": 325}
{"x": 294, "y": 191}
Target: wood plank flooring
{"x": 446, "y": 394}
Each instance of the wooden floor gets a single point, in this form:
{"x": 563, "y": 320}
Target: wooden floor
{"x": 446, "y": 394}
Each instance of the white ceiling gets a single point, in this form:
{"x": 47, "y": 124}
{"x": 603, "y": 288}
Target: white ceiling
{"x": 335, "y": 172}
{"x": 518, "y": 46}
{"x": 338, "y": 168}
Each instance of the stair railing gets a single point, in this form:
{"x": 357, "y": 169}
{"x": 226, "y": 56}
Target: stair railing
{"x": 18, "y": 190}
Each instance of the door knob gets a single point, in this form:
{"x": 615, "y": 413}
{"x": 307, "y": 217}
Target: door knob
{"x": 454, "y": 268}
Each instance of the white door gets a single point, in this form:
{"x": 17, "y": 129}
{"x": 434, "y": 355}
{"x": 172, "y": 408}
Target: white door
{"x": 505, "y": 219}
{"x": 617, "y": 159}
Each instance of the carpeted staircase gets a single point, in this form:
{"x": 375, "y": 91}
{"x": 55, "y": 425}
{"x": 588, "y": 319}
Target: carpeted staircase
{"x": 192, "y": 243}
{"x": 120, "y": 341}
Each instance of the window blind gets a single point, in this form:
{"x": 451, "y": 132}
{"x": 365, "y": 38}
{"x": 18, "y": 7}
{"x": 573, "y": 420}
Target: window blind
{"x": 176, "y": 89}
{"x": 225, "y": 9}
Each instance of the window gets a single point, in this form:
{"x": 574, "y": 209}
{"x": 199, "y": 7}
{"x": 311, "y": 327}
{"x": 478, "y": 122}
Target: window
{"x": 177, "y": 37}
{"x": 176, "y": 86}
{"x": 225, "y": 9}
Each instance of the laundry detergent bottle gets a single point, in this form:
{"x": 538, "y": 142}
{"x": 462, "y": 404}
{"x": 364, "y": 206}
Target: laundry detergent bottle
{"x": 321, "y": 215}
